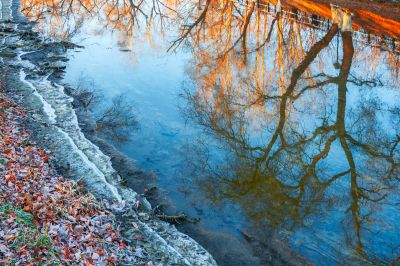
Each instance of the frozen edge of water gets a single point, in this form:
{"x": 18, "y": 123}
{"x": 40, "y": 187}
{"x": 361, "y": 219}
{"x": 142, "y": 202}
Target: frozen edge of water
{"x": 89, "y": 164}
{"x": 49, "y": 111}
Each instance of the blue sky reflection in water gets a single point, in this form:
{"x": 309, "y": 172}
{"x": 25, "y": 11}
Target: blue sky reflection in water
{"x": 258, "y": 121}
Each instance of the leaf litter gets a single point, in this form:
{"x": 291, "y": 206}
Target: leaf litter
{"x": 44, "y": 218}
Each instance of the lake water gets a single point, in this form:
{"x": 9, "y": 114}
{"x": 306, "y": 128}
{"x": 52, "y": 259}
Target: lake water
{"x": 262, "y": 120}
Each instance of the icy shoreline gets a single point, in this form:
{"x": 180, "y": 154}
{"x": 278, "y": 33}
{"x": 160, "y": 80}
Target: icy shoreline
{"x": 33, "y": 79}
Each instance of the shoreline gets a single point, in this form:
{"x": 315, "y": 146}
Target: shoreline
{"x": 53, "y": 125}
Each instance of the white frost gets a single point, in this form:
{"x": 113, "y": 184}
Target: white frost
{"x": 48, "y": 110}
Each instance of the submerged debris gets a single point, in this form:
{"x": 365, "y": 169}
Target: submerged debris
{"x": 173, "y": 219}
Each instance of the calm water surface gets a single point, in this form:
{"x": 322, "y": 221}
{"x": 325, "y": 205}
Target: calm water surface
{"x": 270, "y": 120}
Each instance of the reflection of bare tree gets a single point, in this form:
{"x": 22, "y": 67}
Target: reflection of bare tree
{"x": 64, "y": 18}
{"x": 118, "y": 121}
{"x": 211, "y": 28}
{"x": 215, "y": 28}
{"x": 284, "y": 180}
{"x": 279, "y": 91}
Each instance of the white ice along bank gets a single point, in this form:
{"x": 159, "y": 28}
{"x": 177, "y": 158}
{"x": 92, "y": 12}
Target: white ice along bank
{"x": 52, "y": 108}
